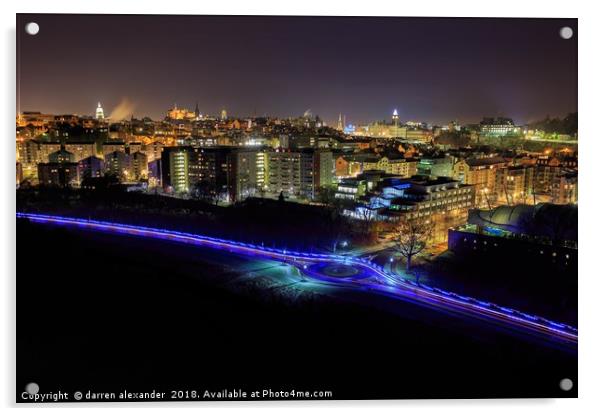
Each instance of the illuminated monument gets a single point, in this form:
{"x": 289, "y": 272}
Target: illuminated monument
{"x": 176, "y": 113}
{"x": 100, "y": 114}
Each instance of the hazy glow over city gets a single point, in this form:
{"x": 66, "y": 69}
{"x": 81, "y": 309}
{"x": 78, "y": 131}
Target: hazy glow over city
{"x": 431, "y": 70}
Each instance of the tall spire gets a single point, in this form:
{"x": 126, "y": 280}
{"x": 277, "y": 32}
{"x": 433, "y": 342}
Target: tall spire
{"x": 340, "y": 124}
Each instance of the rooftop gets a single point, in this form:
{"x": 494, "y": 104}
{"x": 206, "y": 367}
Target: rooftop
{"x": 555, "y": 222}
{"x": 485, "y": 161}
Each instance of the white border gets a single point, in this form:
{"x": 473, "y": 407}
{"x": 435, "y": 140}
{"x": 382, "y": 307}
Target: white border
{"x": 590, "y": 347}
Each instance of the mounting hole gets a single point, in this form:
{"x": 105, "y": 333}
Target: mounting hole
{"x": 566, "y": 384}
{"x": 32, "y": 388}
{"x": 32, "y": 28}
{"x": 566, "y": 32}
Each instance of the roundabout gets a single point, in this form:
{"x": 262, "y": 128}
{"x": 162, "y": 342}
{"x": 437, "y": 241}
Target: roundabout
{"x": 338, "y": 271}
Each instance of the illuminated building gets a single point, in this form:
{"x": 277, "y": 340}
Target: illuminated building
{"x": 410, "y": 131}
{"x": 316, "y": 171}
{"x": 34, "y": 118}
{"x": 546, "y": 170}
{"x": 498, "y": 127}
{"x": 28, "y": 151}
{"x": 154, "y": 173}
{"x": 398, "y": 165}
{"x": 100, "y": 114}
{"x": 28, "y": 157}
{"x": 298, "y": 174}
{"x": 353, "y": 165}
{"x": 176, "y": 113}
{"x": 436, "y": 166}
{"x": 19, "y": 173}
{"x": 174, "y": 169}
{"x": 58, "y": 174}
{"x": 90, "y": 167}
{"x": 253, "y": 141}
{"x": 153, "y": 151}
{"x": 60, "y": 171}
{"x": 481, "y": 173}
{"x": 112, "y": 146}
{"x": 183, "y": 168}
{"x": 138, "y": 168}
{"x": 215, "y": 170}
{"x": 45, "y": 149}
{"x": 284, "y": 173}
{"x": 228, "y": 174}
{"x": 443, "y": 202}
{"x": 81, "y": 150}
{"x": 61, "y": 156}
{"x": 381, "y": 130}
{"x": 224, "y": 114}
{"x": 395, "y": 118}
{"x": 281, "y": 142}
{"x": 247, "y": 179}
{"x": 418, "y": 135}
{"x": 564, "y": 188}
{"x": 133, "y": 147}
{"x": 349, "y": 129}
{"x": 351, "y": 189}
{"x": 117, "y": 163}
{"x": 514, "y": 184}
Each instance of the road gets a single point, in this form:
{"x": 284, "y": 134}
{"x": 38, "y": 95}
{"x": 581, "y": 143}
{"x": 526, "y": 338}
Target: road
{"x": 345, "y": 271}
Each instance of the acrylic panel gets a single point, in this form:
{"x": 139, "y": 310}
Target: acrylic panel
{"x": 295, "y": 208}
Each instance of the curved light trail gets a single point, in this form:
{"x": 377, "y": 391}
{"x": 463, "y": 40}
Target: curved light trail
{"x": 381, "y": 282}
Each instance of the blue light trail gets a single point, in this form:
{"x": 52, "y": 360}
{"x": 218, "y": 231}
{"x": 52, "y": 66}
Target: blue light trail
{"x": 382, "y": 282}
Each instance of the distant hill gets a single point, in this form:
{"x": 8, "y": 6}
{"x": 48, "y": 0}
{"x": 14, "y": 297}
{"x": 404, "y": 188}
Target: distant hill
{"x": 566, "y": 125}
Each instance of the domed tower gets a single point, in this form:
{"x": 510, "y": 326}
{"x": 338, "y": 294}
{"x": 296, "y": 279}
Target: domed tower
{"x": 100, "y": 114}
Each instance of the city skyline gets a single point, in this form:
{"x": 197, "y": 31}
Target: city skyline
{"x": 431, "y": 70}
{"x": 387, "y": 118}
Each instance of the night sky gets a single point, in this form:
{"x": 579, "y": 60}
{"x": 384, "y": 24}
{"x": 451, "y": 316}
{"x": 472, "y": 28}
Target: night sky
{"x": 432, "y": 70}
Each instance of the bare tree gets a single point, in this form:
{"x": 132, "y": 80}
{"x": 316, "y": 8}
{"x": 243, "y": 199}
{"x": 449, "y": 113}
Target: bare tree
{"x": 336, "y": 227}
{"x": 366, "y": 222}
{"x": 411, "y": 238}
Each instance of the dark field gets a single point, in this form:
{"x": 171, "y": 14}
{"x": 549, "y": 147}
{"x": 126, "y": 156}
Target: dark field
{"x": 105, "y": 313}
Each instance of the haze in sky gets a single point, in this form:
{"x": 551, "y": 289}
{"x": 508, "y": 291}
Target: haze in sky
{"x": 430, "y": 69}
